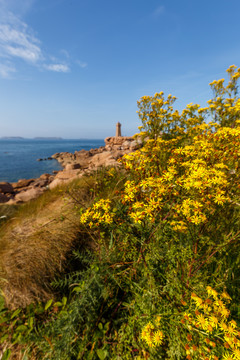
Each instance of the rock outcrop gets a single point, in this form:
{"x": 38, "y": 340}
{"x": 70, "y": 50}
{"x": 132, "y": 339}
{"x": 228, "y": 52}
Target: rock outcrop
{"x": 122, "y": 143}
{"x": 6, "y": 188}
{"x": 74, "y": 166}
{"x": 24, "y": 190}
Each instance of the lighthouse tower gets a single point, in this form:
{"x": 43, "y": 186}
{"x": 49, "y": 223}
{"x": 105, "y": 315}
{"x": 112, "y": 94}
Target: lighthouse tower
{"x": 118, "y": 130}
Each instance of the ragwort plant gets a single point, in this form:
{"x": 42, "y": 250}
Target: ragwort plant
{"x": 179, "y": 210}
{"x": 161, "y": 280}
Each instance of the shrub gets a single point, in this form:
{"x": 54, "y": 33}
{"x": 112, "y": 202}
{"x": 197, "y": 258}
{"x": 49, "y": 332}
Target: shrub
{"x": 165, "y": 260}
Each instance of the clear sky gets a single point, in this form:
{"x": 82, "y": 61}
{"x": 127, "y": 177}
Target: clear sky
{"x": 74, "y": 68}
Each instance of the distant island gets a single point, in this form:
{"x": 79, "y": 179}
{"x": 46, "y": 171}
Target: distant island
{"x": 35, "y": 138}
{"x": 12, "y": 137}
{"x": 47, "y": 138}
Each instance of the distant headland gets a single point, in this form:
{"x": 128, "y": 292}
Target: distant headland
{"x": 11, "y": 137}
{"x": 47, "y": 138}
{"x": 35, "y": 138}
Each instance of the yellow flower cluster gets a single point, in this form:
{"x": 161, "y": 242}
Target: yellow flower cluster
{"x": 225, "y": 104}
{"x": 191, "y": 183}
{"x": 195, "y": 179}
{"x": 151, "y": 334}
{"x": 99, "y": 213}
{"x": 211, "y": 335}
{"x": 187, "y": 169}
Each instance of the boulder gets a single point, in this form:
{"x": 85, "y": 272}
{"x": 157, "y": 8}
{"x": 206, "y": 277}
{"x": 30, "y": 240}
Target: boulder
{"x": 40, "y": 183}
{"x": 82, "y": 153}
{"x": 65, "y": 178}
{"x": 134, "y": 145}
{"x": 55, "y": 183}
{"x": 72, "y": 166}
{"x": 45, "y": 176}
{"x": 117, "y": 154}
{"x": 64, "y": 158}
{"x": 117, "y": 140}
{"x": 122, "y": 143}
{"x": 126, "y": 144}
{"x": 3, "y": 198}
{"x": 55, "y": 156}
{"x": 29, "y": 194}
{"x": 103, "y": 159}
{"x": 67, "y": 174}
{"x": 6, "y": 188}
{"x": 22, "y": 183}
{"x": 96, "y": 151}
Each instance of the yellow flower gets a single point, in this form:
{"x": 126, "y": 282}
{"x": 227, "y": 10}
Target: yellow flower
{"x": 225, "y": 312}
{"x": 202, "y": 321}
{"x": 158, "y": 337}
{"x": 144, "y": 334}
{"x": 149, "y": 326}
{"x": 233, "y": 323}
{"x": 231, "y": 330}
{"x": 225, "y": 295}
{"x": 212, "y": 292}
{"x": 198, "y": 301}
{"x": 227, "y": 356}
{"x": 149, "y": 342}
{"x": 157, "y": 320}
{"x": 213, "y": 321}
{"x": 236, "y": 353}
{"x": 223, "y": 326}
{"x": 209, "y": 328}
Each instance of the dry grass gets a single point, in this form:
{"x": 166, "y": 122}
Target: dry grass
{"x": 35, "y": 243}
{"x": 18, "y": 352}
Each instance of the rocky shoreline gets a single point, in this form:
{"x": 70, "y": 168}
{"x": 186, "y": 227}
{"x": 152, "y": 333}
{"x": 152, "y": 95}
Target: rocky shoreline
{"x": 74, "y": 166}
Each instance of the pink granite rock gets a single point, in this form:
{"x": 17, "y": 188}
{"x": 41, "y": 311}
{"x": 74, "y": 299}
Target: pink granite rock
{"x": 6, "y": 188}
{"x": 29, "y": 194}
{"x": 3, "y": 198}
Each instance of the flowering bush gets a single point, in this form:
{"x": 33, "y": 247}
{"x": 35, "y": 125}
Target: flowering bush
{"x": 162, "y": 278}
{"x": 181, "y": 203}
{"x": 210, "y": 333}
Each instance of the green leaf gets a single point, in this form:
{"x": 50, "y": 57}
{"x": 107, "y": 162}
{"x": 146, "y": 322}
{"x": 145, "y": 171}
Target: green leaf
{"x": 3, "y": 338}
{"x": 106, "y": 326}
{"x": 3, "y": 320}
{"x": 48, "y": 304}
{"x": 64, "y": 301}
{"x": 77, "y": 289}
{"x": 30, "y": 322}
{"x": 58, "y": 303}
{"x": 102, "y": 354}
{"x": 6, "y": 354}
{"x": 39, "y": 309}
{"x": 16, "y": 312}
{"x": 13, "y": 323}
{"x": 17, "y": 339}
{"x": 21, "y": 328}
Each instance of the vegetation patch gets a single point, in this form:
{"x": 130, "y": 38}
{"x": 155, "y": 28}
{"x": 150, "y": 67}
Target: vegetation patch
{"x": 143, "y": 261}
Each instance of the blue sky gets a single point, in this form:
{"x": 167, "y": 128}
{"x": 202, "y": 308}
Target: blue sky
{"x": 74, "y": 68}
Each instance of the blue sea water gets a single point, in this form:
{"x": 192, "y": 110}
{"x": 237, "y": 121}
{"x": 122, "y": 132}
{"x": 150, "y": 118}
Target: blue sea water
{"x": 18, "y": 157}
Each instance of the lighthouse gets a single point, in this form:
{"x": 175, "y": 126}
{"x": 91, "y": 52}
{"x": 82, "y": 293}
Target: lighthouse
{"x": 118, "y": 129}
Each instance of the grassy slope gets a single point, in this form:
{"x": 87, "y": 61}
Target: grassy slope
{"x": 35, "y": 241}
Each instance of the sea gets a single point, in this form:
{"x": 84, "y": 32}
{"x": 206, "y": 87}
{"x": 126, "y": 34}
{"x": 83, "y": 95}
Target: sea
{"x": 19, "y": 157}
